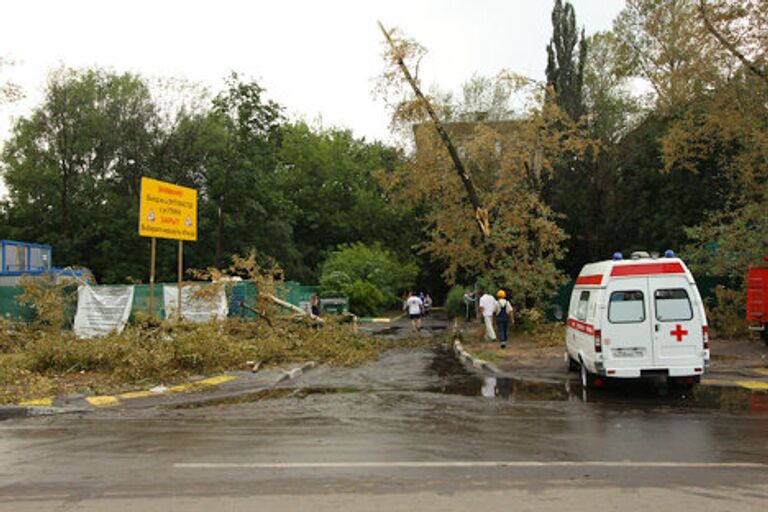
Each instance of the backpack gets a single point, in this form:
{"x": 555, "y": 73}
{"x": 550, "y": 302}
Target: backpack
{"x": 503, "y": 313}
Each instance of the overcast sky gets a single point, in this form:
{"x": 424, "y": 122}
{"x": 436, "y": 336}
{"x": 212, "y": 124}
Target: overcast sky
{"x": 317, "y": 58}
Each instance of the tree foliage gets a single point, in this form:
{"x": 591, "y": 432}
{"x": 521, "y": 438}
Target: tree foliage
{"x": 370, "y": 275}
{"x": 565, "y": 62}
{"x": 73, "y": 169}
{"x": 508, "y": 161}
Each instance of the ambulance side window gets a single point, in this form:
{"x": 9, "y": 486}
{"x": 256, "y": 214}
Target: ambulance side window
{"x": 626, "y": 307}
{"x": 581, "y": 311}
{"x": 673, "y": 305}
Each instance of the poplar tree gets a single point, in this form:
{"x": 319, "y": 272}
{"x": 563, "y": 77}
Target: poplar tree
{"x": 565, "y": 68}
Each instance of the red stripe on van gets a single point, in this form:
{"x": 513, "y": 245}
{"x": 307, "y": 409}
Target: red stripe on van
{"x": 596, "y": 279}
{"x": 645, "y": 269}
{"x": 581, "y": 326}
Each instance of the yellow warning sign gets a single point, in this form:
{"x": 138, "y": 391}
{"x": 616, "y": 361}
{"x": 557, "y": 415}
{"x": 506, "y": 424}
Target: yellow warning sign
{"x": 167, "y": 210}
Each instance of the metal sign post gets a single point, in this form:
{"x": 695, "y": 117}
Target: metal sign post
{"x": 153, "y": 252}
{"x": 181, "y": 276}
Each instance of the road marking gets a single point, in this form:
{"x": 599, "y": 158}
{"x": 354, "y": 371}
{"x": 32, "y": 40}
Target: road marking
{"x": 754, "y": 385}
{"x": 761, "y": 371}
{"x": 102, "y": 401}
{"x": 38, "y": 402}
{"x": 467, "y": 464}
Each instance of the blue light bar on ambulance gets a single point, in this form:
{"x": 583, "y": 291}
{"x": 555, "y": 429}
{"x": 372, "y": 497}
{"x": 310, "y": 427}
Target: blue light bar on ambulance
{"x": 618, "y": 256}
{"x": 669, "y": 253}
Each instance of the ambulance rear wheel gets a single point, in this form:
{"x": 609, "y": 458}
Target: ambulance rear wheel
{"x": 573, "y": 366}
{"x": 683, "y": 383}
{"x": 764, "y": 333}
{"x": 587, "y": 378}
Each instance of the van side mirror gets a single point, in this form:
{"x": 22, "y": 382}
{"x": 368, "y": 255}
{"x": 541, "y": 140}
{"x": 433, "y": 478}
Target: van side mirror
{"x": 557, "y": 311}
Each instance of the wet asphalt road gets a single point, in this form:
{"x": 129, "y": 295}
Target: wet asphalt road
{"x": 412, "y": 431}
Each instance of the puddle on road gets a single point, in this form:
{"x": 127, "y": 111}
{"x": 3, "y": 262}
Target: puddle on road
{"x": 266, "y": 394}
{"x": 451, "y": 377}
{"x": 634, "y": 393}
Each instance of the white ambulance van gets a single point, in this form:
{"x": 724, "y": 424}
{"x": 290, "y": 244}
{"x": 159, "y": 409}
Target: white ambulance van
{"x": 636, "y": 318}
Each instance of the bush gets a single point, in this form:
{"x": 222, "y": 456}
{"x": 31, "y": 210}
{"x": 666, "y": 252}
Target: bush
{"x": 454, "y": 302}
{"x": 369, "y": 275}
{"x": 365, "y": 299}
{"x": 335, "y": 284}
{"x": 727, "y": 315}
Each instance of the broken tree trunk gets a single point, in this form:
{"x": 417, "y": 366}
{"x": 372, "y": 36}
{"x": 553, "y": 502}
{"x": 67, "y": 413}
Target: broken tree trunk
{"x": 729, "y": 45}
{"x": 481, "y": 214}
{"x": 296, "y": 309}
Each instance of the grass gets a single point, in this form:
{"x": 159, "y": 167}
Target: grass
{"x": 486, "y": 355}
{"x": 38, "y": 362}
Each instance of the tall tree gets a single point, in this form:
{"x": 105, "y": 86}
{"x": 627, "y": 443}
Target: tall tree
{"x": 565, "y": 62}
{"x": 508, "y": 162}
{"x": 260, "y": 217}
{"x": 330, "y": 178}
{"x": 73, "y": 167}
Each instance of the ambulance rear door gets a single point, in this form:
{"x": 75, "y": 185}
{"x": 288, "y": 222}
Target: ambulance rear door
{"x": 677, "y": 322}
{"x": 627, "y": 329}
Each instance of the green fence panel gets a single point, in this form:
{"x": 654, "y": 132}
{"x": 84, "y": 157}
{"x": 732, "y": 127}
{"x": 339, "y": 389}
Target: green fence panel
{"x": 10, "y": 308}
{"x": 239, "y": 294}
{"x": 141, "y": 300}
{"x": 296, "y": 293}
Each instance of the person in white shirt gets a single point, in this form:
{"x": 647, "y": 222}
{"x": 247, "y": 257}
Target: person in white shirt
{"x": 487, "y": 308}
{"x": 415, "y": 308}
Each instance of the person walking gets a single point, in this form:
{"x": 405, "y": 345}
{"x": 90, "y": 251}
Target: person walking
{"x": 487, "y": 308}
{"x": 427, "y": 304}
{"x": 415, "y": 308}
{"x": 470, "y": 303}
{"x": 504, "y": 316}
{"x": 315, "y": 305}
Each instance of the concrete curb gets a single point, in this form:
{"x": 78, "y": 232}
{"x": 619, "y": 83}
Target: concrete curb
{"x": 470, "y": 360}
{"x": 475, "y": 362}
{"x": 27, "y": 411}
{"x": 92, "y": 403}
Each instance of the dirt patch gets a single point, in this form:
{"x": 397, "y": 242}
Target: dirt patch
{"x": 521, "y": 352}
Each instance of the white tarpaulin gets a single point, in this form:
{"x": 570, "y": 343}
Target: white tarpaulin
{"x": 102, "y": 310}
{"x": 197, "y": 306}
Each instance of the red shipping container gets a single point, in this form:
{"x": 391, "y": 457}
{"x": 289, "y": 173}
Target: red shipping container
{"x": 757, "y": 297}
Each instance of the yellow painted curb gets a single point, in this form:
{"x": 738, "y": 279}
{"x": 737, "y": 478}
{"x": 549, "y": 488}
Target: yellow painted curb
{"x": 40, "y": 402}
{"x": 136, "y": 394}
{"x": 754, "y": 385}
{"x": 215, "y": 381}
{"x": 180, "y": 388}
{"x": 380, "y": 320}
{"x": 102, "y": 401}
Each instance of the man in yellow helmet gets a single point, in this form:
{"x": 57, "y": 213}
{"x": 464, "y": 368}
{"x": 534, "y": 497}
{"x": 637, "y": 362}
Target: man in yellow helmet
{"x": 504, "y": 315}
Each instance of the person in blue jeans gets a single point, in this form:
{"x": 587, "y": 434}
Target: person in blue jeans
{"x": 504, "y": 316}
